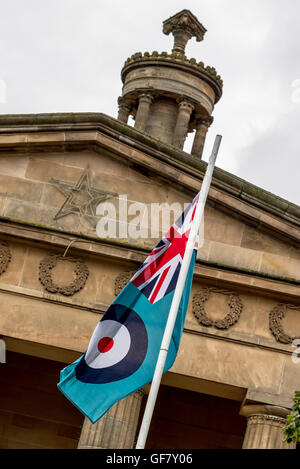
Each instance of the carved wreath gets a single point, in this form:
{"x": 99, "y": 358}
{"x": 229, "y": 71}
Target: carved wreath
{"x": 45, "y": 277}
{"x": 121, "y": 281}
{"x": 275, "y": 317}
{"x": 5, "y": 256}
{"x": 235, "y": 308}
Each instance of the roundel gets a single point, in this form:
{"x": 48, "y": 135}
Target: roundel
{"x": 117, "y": 347}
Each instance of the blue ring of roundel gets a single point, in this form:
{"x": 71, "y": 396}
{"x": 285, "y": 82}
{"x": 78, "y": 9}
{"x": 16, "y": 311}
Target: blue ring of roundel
{"x": 134, "y": 358}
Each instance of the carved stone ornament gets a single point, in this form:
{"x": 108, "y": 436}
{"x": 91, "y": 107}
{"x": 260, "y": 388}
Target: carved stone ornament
{"x": 275, "y": 317}
{"x": 45, "y": 277}
{"x": 81, "y": 197}
{"x": 5, "y": 256}
{"x": 235, "y": 308}
{"x": 121, "y": 281}
{"x": 184, "y": 25}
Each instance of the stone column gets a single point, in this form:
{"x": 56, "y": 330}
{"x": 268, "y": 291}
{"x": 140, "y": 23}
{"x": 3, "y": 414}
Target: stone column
{"x": 181, "y": 37}
{"x": 265, "y": 427}
{"x": 162, "y": 119}
{"x": 183, "y": 117}
{"x": 141, "y": 119}
{"x": 124, "y": 110}
{"x": 200, "y": 135}
{"x": 116, "y": 429}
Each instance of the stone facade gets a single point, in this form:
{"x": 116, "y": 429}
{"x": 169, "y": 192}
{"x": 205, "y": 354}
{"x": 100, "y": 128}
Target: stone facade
{"x": 57, "y": 274}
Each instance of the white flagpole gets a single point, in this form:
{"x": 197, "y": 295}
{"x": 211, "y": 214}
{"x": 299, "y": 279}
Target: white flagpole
{"x": 177, "y": 297}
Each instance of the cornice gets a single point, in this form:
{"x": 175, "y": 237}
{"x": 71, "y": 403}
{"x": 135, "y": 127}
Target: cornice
{"x": 95, "y": 130}
{"x": 217, "y": 275}
{"x": 178, "y": 61}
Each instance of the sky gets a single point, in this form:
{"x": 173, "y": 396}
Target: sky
{"x": 66, "y": 56}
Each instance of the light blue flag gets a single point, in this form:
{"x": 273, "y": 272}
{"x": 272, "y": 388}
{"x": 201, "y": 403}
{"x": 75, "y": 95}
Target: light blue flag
{"x": 123, "y": 350}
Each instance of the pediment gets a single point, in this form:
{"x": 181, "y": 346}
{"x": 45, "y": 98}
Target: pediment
{"x": 56, "y": 180}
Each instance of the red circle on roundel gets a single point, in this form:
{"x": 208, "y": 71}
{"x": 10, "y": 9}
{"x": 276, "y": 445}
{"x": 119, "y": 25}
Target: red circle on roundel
{"x": 105, "y": 344}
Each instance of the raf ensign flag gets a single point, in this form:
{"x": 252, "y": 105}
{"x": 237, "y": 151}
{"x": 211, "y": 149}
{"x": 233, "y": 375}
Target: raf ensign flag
{"x": 123, "y": 350}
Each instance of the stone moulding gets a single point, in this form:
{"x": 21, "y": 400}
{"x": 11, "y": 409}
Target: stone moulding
{"x": 122, "y": 279}
{"x": 45, "y": 277}
{"x": 235, "y": 308}
{"x": 12, "y": 125}
{"x": 175, "y": 59}
{"x": 262, "y": 419}
{"x": 275, "y": 317}
{"x": 5, "y": 257}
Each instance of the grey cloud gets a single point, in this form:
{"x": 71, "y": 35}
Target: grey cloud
{"x": 272, "y": 161}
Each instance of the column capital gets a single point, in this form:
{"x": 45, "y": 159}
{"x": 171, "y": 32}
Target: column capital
{"x": 205, "y": 121}
{"x": 185, "y": 105}
{"x": 123, "y": 102}
{"x": 124, "y": 109}
{"x": 265, "y": 410}
{"x": 145, "y": 97}
{"x": 265, "y": 425}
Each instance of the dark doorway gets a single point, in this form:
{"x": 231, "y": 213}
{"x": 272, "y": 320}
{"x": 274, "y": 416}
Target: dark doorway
{"x": 190, "y": 420}
{"x": 33, "y": 412}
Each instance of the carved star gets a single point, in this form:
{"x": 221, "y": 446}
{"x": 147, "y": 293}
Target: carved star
{"x": 81, "y": 198}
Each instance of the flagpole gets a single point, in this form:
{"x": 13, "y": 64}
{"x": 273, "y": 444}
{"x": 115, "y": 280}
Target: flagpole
{"x": 177, "y": 297}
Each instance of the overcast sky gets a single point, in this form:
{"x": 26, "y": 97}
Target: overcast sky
{"x": 66, "y": 56}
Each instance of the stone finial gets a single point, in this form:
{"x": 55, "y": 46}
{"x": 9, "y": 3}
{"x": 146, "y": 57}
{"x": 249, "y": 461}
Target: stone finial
{"x": 184, "y": 25}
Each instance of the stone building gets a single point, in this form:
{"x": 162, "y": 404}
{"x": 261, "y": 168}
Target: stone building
{"x": 236, "y": 372}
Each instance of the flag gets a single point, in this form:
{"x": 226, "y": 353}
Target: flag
{"x": 123, "y": 350}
